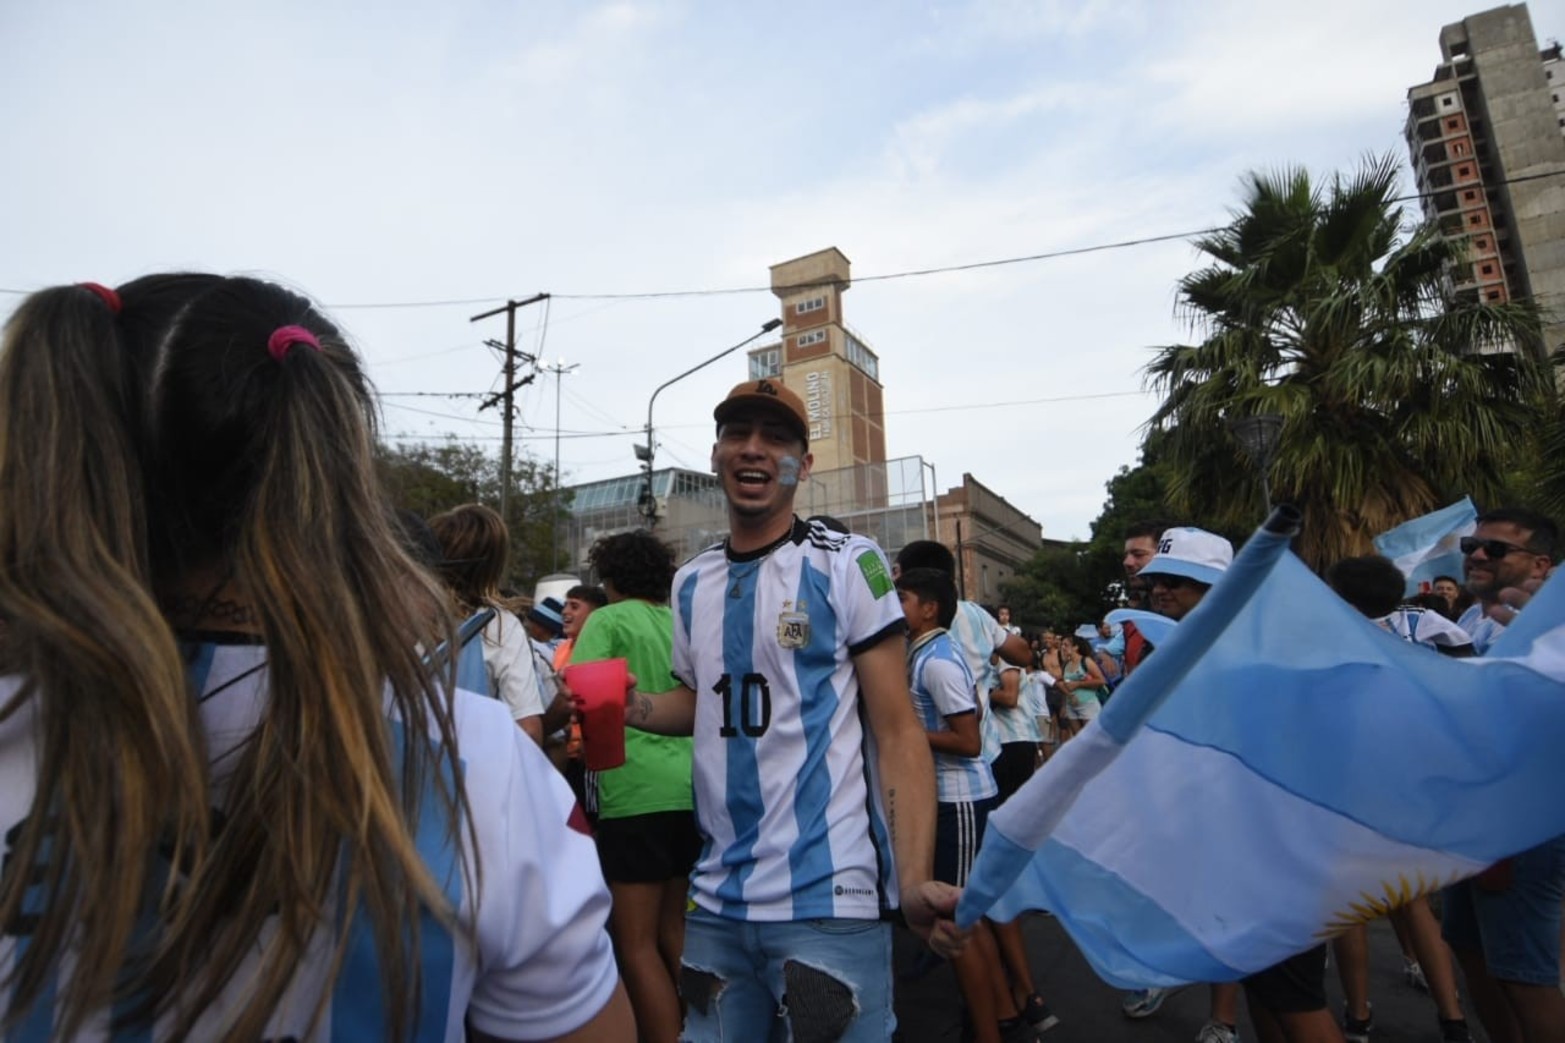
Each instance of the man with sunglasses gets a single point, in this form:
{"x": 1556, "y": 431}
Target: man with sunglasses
{"x": 1504, "y": 924}
{"x": 1510, "y": 547}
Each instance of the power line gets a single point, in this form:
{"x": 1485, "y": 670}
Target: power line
{"x": 543, "y": 435}
{"x": 431, "y": 394}
{"x": 911, "y": 273}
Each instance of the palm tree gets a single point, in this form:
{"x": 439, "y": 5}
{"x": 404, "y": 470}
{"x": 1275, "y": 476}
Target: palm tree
{"x": 1319, "y": 307}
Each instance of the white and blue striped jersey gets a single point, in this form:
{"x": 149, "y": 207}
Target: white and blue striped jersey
{"x": 784, "y": 770}
{"x": 1421, "y": 626}
{"x": 1019, "y": 723}
{"x": 942, "y": 687}
{"x": 537, "y": 963}
{"x": 1478, "y": 626}
{"x": 978, "y": 635}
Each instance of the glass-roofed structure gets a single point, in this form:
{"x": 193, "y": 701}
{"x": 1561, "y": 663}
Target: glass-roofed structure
{"x": 887, "y": 501}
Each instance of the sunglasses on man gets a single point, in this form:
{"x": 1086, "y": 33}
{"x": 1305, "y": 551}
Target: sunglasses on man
{"x": 1494, "y": 550}
{"x": 1168, "y": 581}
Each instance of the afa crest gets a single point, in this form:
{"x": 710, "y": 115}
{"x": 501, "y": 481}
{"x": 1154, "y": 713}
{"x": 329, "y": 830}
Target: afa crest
{"x": 793, "y": 626}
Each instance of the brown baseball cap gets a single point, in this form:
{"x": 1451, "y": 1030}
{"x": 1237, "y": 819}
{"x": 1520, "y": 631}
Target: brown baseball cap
{"x": 769, "y": 394}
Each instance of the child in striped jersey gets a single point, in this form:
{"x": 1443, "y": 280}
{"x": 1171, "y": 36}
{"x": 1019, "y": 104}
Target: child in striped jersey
{"x": 943, "y": 697}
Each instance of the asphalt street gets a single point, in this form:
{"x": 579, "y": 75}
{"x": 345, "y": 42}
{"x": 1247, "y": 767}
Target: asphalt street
{"x": 929, "y": 1009}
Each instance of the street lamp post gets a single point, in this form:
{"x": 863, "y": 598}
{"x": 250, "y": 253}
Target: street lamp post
{"x": 559, "y": 369}
{"x": 1258, "y": 435}
{"x": 645, "y": 454}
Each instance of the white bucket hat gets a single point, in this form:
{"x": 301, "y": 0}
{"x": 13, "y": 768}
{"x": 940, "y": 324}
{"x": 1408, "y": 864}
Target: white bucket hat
{"x": 1192, "y": 553}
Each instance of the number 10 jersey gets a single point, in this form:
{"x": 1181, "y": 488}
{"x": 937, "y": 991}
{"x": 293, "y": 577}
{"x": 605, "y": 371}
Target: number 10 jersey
{"x": 784, "y": 770}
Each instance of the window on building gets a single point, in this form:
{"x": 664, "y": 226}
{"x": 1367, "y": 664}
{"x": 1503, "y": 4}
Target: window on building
{"x": 1488, "y": 269}
{"x": 766, "y": 363}
{"x": 807, "y": 339}
{"x": 813, "y": 304}
{"x": 863, "y": 358}
{"x": 1469, "y": 195}
{"x": 1447, "y": 101}
{"x": 1493, "y": 295}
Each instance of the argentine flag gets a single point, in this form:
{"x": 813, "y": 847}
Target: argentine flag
{"x": 1280, "y": 769}
{"x": 1426, "y": 547}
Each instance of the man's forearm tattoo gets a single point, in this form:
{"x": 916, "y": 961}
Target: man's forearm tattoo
{"x": 640, "y": 708}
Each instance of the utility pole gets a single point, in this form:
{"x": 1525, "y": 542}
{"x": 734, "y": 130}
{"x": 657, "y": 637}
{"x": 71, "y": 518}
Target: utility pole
{"x": 507, "y": 394}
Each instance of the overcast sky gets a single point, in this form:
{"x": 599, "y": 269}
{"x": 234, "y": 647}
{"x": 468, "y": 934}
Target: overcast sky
{"x": 470, "y": 151}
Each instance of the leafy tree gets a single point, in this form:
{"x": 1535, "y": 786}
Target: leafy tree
{"x": 1057, "y": 588}
{"x": 429, "y": 478}
{"x": 1320, "y": 307}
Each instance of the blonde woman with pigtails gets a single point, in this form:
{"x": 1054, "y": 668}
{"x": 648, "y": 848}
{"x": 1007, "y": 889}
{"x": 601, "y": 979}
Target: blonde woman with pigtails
{"x": 235, "y": 803}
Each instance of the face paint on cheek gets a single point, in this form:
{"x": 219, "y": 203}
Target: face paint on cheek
{"x": 788, "y": 470}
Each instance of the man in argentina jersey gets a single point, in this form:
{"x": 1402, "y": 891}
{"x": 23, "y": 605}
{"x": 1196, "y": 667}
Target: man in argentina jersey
{"x": 537, "y": 963}
{"x": 814, "y": 786}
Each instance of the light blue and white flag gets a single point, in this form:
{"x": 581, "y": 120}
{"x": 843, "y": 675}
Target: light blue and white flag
{"x": 1280, "y": 769}
{"x": 1426, "y": 547}
{"x": 1153, "y": 627}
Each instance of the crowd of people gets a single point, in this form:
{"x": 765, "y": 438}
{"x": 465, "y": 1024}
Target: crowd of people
{"x": 283, "y": 763}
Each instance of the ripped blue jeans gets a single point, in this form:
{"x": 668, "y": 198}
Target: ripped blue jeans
{"x": 810, "y": 981}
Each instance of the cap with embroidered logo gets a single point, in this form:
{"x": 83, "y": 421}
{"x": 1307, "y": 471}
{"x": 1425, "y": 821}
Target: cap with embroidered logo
{"x": 1192, "y": 553}
{"x": 770, "y": 394}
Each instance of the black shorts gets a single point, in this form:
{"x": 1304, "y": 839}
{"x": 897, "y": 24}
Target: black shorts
{"x": 648, "y": 849}
{"x": 1297, "y": 985}
{"x": 1014, "y": 766}
{"x": 1056, "y": 700}
{"x": 959, "y": 829}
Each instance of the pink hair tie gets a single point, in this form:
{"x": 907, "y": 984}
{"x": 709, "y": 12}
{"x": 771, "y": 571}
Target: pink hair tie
{"x": 285, "y": 337}
{"x": 109, "y": 297}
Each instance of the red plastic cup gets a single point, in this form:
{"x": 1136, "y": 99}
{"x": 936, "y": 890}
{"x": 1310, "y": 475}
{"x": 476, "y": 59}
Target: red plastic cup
{"x": 601, "y": 687}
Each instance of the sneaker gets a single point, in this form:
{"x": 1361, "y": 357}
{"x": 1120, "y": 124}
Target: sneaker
{"x": 1144, "y": 1003}
{"x": 1019, "y": 1030}
{"x": 1413, "y": 975}
{"x": 1454, "y": 1031}
{"x": 1037, "y": 1014}
{"x": 1217, "y": 1032}
{"x": 1356, "y": 1030}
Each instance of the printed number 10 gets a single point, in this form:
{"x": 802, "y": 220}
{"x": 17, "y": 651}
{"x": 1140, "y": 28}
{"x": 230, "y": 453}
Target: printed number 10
{"x": 752, "y": 688}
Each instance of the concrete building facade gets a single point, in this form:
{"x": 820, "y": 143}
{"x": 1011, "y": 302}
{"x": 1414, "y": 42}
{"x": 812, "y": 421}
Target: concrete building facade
{"x": 1488, "y": 155}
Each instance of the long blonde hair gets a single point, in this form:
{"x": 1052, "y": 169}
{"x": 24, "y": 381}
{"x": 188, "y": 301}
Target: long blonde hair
{"x": 138, "y": 447}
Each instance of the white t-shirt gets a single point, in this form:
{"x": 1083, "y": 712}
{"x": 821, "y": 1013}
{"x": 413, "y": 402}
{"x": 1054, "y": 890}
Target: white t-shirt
{"x": 513, "y": 672}
{"x": 538, "y": 962}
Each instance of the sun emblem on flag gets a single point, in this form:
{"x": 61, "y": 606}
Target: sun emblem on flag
{"x": 1372, "y": 906}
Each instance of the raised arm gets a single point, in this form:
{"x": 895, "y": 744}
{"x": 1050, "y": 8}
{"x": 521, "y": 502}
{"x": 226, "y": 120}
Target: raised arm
{"x": 1015, "y": 650}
